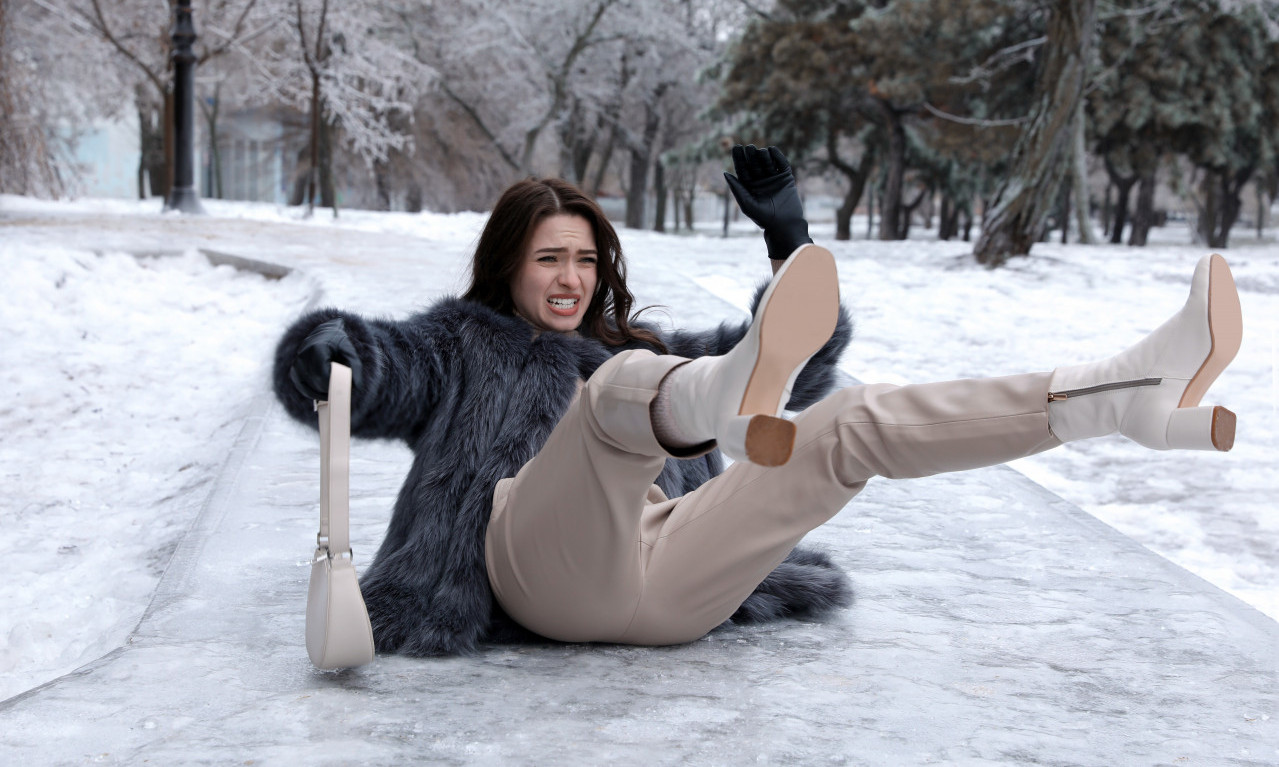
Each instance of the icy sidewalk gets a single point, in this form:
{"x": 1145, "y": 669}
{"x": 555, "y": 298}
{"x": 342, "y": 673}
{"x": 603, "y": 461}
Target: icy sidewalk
{"x": 995, "y": 623}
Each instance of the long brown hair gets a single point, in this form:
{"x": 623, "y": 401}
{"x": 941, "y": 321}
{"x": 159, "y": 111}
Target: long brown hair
{"x": 506, "y": 237}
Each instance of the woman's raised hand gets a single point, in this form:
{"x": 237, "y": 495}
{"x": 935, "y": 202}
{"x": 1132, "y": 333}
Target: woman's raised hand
{"x": 328, "y": 342}
{"x": 765, "y": 189}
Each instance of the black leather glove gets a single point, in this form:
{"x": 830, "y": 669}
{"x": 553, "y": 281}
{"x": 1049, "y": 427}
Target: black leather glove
{"x": 765, "y": 189}
{"x": 324, "y": 345}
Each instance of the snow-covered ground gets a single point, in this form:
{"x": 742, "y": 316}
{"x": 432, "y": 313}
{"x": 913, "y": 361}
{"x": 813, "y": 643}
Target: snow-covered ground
{"x": 127, "y": 379}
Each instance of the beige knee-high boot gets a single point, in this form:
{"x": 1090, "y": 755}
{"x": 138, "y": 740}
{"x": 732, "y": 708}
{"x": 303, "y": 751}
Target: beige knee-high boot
{"x": 1150, "y": 393}
{"x": 738, "y": 398}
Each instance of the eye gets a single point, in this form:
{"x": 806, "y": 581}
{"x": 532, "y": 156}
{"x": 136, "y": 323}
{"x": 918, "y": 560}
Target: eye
{"x": 590, "y": 260}
{"x": 547, "y": 259}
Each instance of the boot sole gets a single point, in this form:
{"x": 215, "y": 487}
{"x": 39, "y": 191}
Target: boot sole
{"x": 799, "y": 315}
{"x": 1225, "y": 328}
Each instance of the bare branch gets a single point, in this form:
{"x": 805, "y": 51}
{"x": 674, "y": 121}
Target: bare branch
{"x": 470, "y": 112}
{"x": 1000, "y": 61}
{"x": 100, "y": 24}
{"x": 935, "y": 112}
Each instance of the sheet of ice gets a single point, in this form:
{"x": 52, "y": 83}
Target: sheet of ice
{"x": 128, "y": 376}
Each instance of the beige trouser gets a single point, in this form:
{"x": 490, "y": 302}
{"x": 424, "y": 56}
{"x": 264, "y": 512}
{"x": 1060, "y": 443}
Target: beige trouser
{"x": 582, "y": 546}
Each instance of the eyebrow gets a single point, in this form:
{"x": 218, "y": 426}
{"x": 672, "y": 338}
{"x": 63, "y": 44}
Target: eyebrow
{"x": 589, "y": 251}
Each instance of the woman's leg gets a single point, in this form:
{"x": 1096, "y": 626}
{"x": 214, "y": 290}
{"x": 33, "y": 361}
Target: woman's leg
{"x": 563, "y": 546}
{"x": 710, "y": 550}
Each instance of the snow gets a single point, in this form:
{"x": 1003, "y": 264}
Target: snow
{"x": 128, "y": 378}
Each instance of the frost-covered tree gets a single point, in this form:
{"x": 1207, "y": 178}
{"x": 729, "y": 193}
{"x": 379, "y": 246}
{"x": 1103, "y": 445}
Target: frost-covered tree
{"x": 343, "y": 64}
{"x": 659, "y": 96}
{"x": 28, "y": 161}
{"x": 514, "y": 83}
{"x": 564, "y": 87}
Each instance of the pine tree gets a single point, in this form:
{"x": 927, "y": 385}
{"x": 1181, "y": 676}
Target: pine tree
{"x": 820, "y": 78}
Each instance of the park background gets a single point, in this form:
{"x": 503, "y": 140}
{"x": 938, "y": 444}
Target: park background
{"x": 1108, "y": 145}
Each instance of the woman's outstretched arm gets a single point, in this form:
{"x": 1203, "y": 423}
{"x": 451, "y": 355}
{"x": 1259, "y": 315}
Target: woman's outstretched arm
{"x": 401, "y": 370}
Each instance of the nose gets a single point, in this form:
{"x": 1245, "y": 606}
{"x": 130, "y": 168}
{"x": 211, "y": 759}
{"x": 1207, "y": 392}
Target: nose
{"x": 568, "y": 277}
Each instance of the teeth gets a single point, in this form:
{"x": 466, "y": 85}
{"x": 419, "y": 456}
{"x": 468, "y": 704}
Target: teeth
{"x": 563, "y": 303}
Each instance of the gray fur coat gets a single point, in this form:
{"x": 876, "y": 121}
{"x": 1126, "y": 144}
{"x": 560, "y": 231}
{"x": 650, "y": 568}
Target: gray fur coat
{"x": 475, "y": 394}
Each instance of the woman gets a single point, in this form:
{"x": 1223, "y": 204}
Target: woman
{"x": 564, "y": 473}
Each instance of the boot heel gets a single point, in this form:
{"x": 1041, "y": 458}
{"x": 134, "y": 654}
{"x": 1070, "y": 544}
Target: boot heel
{"x": 1201, "y": 428}
{"x": 763, "y": 440}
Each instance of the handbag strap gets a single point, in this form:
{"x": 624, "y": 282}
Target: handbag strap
{"x": 335, "y": 464}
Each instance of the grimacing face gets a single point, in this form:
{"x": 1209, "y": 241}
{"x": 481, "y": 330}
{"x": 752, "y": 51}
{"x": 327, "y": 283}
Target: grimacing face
{"x": 557, "y": 276}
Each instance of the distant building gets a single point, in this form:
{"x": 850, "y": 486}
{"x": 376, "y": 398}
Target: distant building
{"x": 256, "y": 152}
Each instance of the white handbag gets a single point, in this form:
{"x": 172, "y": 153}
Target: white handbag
{"x": 338, "y": 633}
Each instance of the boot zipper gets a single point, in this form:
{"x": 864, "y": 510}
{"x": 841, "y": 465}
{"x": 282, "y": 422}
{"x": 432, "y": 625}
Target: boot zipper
{"x": 1060, "y": 395}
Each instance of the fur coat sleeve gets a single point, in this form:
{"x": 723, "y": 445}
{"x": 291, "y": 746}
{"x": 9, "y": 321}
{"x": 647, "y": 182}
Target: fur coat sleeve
{"x": 405, "y": 367}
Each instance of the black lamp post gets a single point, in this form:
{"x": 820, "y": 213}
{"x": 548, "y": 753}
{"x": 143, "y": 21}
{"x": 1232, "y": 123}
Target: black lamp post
{"x": 182, "y": 195}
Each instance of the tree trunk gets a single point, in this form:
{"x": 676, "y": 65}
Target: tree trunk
{"x": 606, "y": 157}
{"x": 1063, "y": 212}
{"x": 688, "y": 208}
{"x": 170, "y": 145}
{"x": 894, "y": 170}
{"x": 1079, "y": 179}
{"x": 844, "y": 213}
{"x": 313, "y": 170}
{"x": 659, "y": 193}
{"x": 1143, "y": 216}
{"x": 638, "y": 187}
{"x": 1026, "y": 197}
{"x": 1222, "y": 205}
{"x": 906, "y": 211}
{"x": 1105, "y": 210}
{"x": 1119, "y": 215}
{"x": 857, "y": 176}
{"x": 1261, "y": 210}
{"x": 151, "y": 170}
{"x": 382, "y": 185}
{"x": 641, "y": 157}
{"x": 870, "y": 214}
{"x": 1119, "y": 212}
{"x": 328, "y": 185}
{"x": 947, "y": 220}
{"x": 211, "y": 109}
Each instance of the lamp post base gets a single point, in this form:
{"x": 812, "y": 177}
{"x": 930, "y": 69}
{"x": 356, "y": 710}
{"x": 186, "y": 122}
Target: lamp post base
{"x": 184, "y": 199}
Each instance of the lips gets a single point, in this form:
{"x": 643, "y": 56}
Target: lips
{"x": 564, "y": 306}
